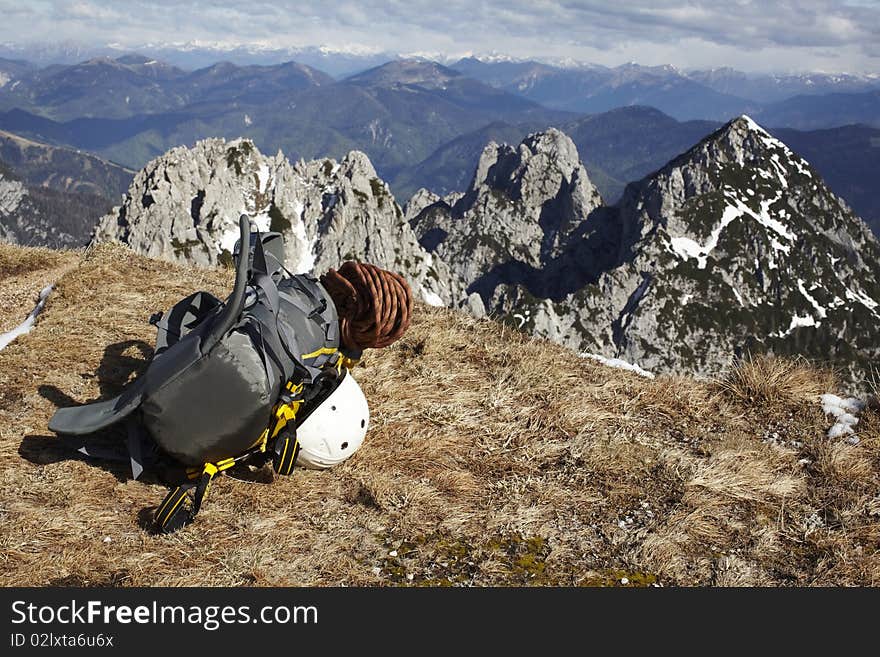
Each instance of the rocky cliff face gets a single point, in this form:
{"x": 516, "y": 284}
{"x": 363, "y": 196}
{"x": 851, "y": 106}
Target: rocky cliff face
{"x": 36, "y": 216}
{"x": 734, "y": 246}
{"x": 524, "y": 204}
{"x": 184, "y": 206}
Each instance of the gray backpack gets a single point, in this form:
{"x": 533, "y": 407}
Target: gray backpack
{"x": 227, "y": 381}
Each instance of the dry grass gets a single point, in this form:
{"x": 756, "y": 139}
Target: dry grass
{"x": 492, "y": 459}
{"x": 775, "y": 381}
{"x": 23, "y": 273}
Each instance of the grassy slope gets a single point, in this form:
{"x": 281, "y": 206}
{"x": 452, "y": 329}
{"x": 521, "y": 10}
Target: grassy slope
{"x": 492, "y": 459}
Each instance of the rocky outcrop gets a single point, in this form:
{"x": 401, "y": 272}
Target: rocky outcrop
{"x": 733, "y": 247}
{"x": 183, "y": 206}
{"x": 523, "y": 205}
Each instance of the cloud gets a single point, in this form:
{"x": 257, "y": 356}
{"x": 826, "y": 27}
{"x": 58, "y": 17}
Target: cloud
{"x": 841, "y": 34}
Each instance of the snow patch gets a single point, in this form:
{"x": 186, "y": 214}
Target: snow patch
{"x": 27, "y": 324}
{"x": 228, "y": 238}
{"x": 432, "y": 298}
{"x": 845, "y": 412}
{"x": 767, "y": 221}
{"x": 262, "y": 222}
{"x": 247, "y": 119}
{"x": 619, "y": 364}
{"x": 686, "y": 248}
{"x": 862, "y": 298}
{"x": 263, "y": 178}
{"x": 771, "y": 142}
{"x": 820, "y": 311}
{"x": 302, "y": 251}
{"x": 780, "y": 170}
{"x": 797, "y": 322}
{"x": 738, "y": 296}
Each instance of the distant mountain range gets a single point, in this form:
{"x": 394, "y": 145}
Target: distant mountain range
{"x": 134, "y": 85}
{"x": 797, "y": 101}
{"x": 398, "y": 113}
{"x": 424, "y": 124}
{"x": 338, "y": 62}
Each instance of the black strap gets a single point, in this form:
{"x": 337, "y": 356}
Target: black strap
{"x": 135, "y": 442}
{"x": 137, "y": 454}
{"x": 177, "y": 510}
{"x": 258, "y": 265}
{"x": 201, "y": 489}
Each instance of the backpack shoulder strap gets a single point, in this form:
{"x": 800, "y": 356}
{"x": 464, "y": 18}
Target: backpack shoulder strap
{"x": 184, "y": 316}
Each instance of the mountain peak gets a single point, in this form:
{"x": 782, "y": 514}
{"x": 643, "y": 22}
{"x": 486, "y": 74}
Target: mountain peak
{"x": 555, "y": 143}
{"x": 524, "y": 202}
{"x": 741, "y": 151}
{"x": 531, "y": 172}
{"x": 406, "y": 71}
{"x": 746, "y": 122}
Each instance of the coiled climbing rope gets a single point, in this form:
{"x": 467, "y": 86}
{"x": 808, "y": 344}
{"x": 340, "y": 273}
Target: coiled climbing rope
{"x": 374, "y": 305}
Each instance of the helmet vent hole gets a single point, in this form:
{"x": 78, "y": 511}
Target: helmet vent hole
{"x": 332, "y": 408}
{"x": 363, "y": 423}
{"x": 344, "y": 445}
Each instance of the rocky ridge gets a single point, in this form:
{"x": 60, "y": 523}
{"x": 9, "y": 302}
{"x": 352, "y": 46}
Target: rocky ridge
{"x": 183, "y": 206}
{"x": 735, "y": 246}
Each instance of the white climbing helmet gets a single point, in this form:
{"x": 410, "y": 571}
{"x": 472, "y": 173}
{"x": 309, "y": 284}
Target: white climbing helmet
{"x": 335, "y": 429}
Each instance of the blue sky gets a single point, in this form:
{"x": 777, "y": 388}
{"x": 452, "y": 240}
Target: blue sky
{"x": 829, "y": 35}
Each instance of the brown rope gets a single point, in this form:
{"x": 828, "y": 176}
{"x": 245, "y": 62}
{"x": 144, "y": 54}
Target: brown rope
{"x": 374, "y": 305}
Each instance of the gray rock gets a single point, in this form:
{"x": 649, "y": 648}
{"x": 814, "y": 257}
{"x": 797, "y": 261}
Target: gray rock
{"x": 418, "y": 202}
{"x": 522, "y": 206}
{"x": 734, "y": 247}
{"x": 184, "y": 205}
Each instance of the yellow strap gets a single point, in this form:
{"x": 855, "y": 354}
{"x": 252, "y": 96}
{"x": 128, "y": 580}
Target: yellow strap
{"x": 225, "y": 464}
{"x": 165, "y": 503}
{"x": 346, "y": 362}
{"x": 322, "y": 350}
{"x": 284, "y": 453}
